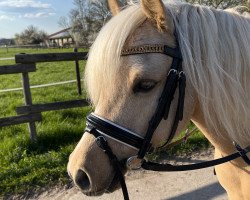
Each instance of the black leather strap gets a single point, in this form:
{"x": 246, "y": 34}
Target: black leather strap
{"x": 180, "y": 107}
{"x": 168, "y": 167}
{"x": 173, "y": 52}
{"x": 114, "y": 131}
{"x": 243, "y": 153}
{"x": 103, "y": 144}
{"x": 164, "y": 104}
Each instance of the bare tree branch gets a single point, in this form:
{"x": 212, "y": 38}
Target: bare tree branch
{"x": 86, "y": 19}
{"x": 222, "y": 4}
{"x": 31, "y": 35}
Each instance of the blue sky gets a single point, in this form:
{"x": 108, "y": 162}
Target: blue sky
{"x": 16, "y": 15}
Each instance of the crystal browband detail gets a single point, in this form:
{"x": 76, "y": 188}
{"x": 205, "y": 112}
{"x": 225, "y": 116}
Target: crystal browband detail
{"x": 142, "y": 49}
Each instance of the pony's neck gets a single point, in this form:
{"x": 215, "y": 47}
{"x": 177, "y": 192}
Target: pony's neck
{"x": 216, "y": 56}
{"x": 223, "y": 142}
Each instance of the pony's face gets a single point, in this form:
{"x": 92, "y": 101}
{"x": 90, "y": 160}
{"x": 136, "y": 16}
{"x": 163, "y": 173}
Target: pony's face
{"x": 129, "y": 100}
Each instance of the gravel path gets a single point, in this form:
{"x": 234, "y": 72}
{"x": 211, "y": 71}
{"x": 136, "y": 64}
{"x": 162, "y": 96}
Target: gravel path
{"x": 193, "y": 185}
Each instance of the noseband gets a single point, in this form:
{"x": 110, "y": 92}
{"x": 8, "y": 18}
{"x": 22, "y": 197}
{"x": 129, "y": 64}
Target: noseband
{"x": 102, "y": 128}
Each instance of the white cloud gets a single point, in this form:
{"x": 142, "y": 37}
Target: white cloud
{"x": 5, "y": 17}
{"x": 37, "y": 15}
{"x": 24, "y": 4}
{"x": 26, "y": 9}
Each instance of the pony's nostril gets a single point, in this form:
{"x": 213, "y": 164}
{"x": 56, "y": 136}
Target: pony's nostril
{"x": 82, "y": 180}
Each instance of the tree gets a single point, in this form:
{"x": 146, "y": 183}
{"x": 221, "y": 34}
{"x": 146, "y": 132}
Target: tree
{"x": 222, "y": 4}
{"x": 87, "y": 17}
{"x": 86, "y": 20}
{"x": 31, "y": 35}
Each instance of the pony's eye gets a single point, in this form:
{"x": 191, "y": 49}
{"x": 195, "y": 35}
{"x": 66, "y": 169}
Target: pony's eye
{"x": 144, "y": 86}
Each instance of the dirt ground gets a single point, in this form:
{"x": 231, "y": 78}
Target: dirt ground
{"x": 193, "y": 185}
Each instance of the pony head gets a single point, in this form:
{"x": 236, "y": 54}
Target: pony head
{"x": 215, "y": 46}
{"x": 125, "y": 90}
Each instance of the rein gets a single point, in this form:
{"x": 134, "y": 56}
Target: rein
{"x": 170, "y": 168}
{"x": 102, "y": 128}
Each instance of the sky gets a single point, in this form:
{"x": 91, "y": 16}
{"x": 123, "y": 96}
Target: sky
{"x": 16, "y": 15}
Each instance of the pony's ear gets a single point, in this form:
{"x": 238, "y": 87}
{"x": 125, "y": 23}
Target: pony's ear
{"x": 114, "y": 6}
{"x": 155, "y": 10}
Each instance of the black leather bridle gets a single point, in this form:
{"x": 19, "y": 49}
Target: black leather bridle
{"x": 102, "y": 128}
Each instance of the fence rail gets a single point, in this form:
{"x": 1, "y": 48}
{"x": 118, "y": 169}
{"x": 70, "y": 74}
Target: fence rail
{"x": 50, "y": 57}
{"x": 18, "y": 68}
{"x": 51, "y": 106}
{"x": 31, "y": 113}
{"x": 15, "y": 120}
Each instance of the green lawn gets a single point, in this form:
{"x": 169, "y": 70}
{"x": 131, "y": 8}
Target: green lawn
{"x": 24, "y": 165}
{"x": 27, "y": 166}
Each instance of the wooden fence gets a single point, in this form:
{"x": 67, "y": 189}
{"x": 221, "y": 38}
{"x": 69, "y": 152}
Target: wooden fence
{"x": 31, "y": 113}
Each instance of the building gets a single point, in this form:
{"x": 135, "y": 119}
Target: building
{"x": 61, "y": 38}
{"x": 6, "y": 42}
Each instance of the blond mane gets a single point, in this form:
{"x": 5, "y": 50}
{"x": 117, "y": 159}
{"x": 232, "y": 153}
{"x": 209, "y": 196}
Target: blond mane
{"x": 215, "y": 45}
{"x": 104, "y": 55}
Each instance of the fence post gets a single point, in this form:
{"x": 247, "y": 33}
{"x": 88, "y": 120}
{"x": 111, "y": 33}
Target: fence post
{"x": 28, "y": 102}
{"x": 78, "y": 77}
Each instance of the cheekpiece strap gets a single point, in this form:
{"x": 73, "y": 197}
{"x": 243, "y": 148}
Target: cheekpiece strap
{"x": 175, "y": 76}
{"x": 163, "y": 107}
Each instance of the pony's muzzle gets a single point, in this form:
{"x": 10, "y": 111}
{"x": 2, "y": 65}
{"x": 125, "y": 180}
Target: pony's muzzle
{"x": 84, "y": 168}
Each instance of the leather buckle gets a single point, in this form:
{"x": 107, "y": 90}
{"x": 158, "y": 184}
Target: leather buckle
{"x": 242, "y": 153}
{"x": 172, "y": 71}
{"x": 88, "y": 128}
{"x": 134, "y": 163}
{"x": 101, "y": 142}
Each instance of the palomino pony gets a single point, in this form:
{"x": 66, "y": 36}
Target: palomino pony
{"x": 125, "y": 82}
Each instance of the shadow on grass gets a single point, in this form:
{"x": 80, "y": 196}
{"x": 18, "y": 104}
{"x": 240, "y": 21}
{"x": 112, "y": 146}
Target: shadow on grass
{"x": 48, "y": 141}
{"x": 66, "y": 129}
{"x": 73, "y": 115}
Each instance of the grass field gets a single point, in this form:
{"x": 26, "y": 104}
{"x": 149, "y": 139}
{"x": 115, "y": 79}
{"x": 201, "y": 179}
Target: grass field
{"x": 27, "y": 166}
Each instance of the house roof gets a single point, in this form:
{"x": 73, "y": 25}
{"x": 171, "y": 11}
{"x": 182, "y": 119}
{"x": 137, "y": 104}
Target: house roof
{"x": 60, "y": 34}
